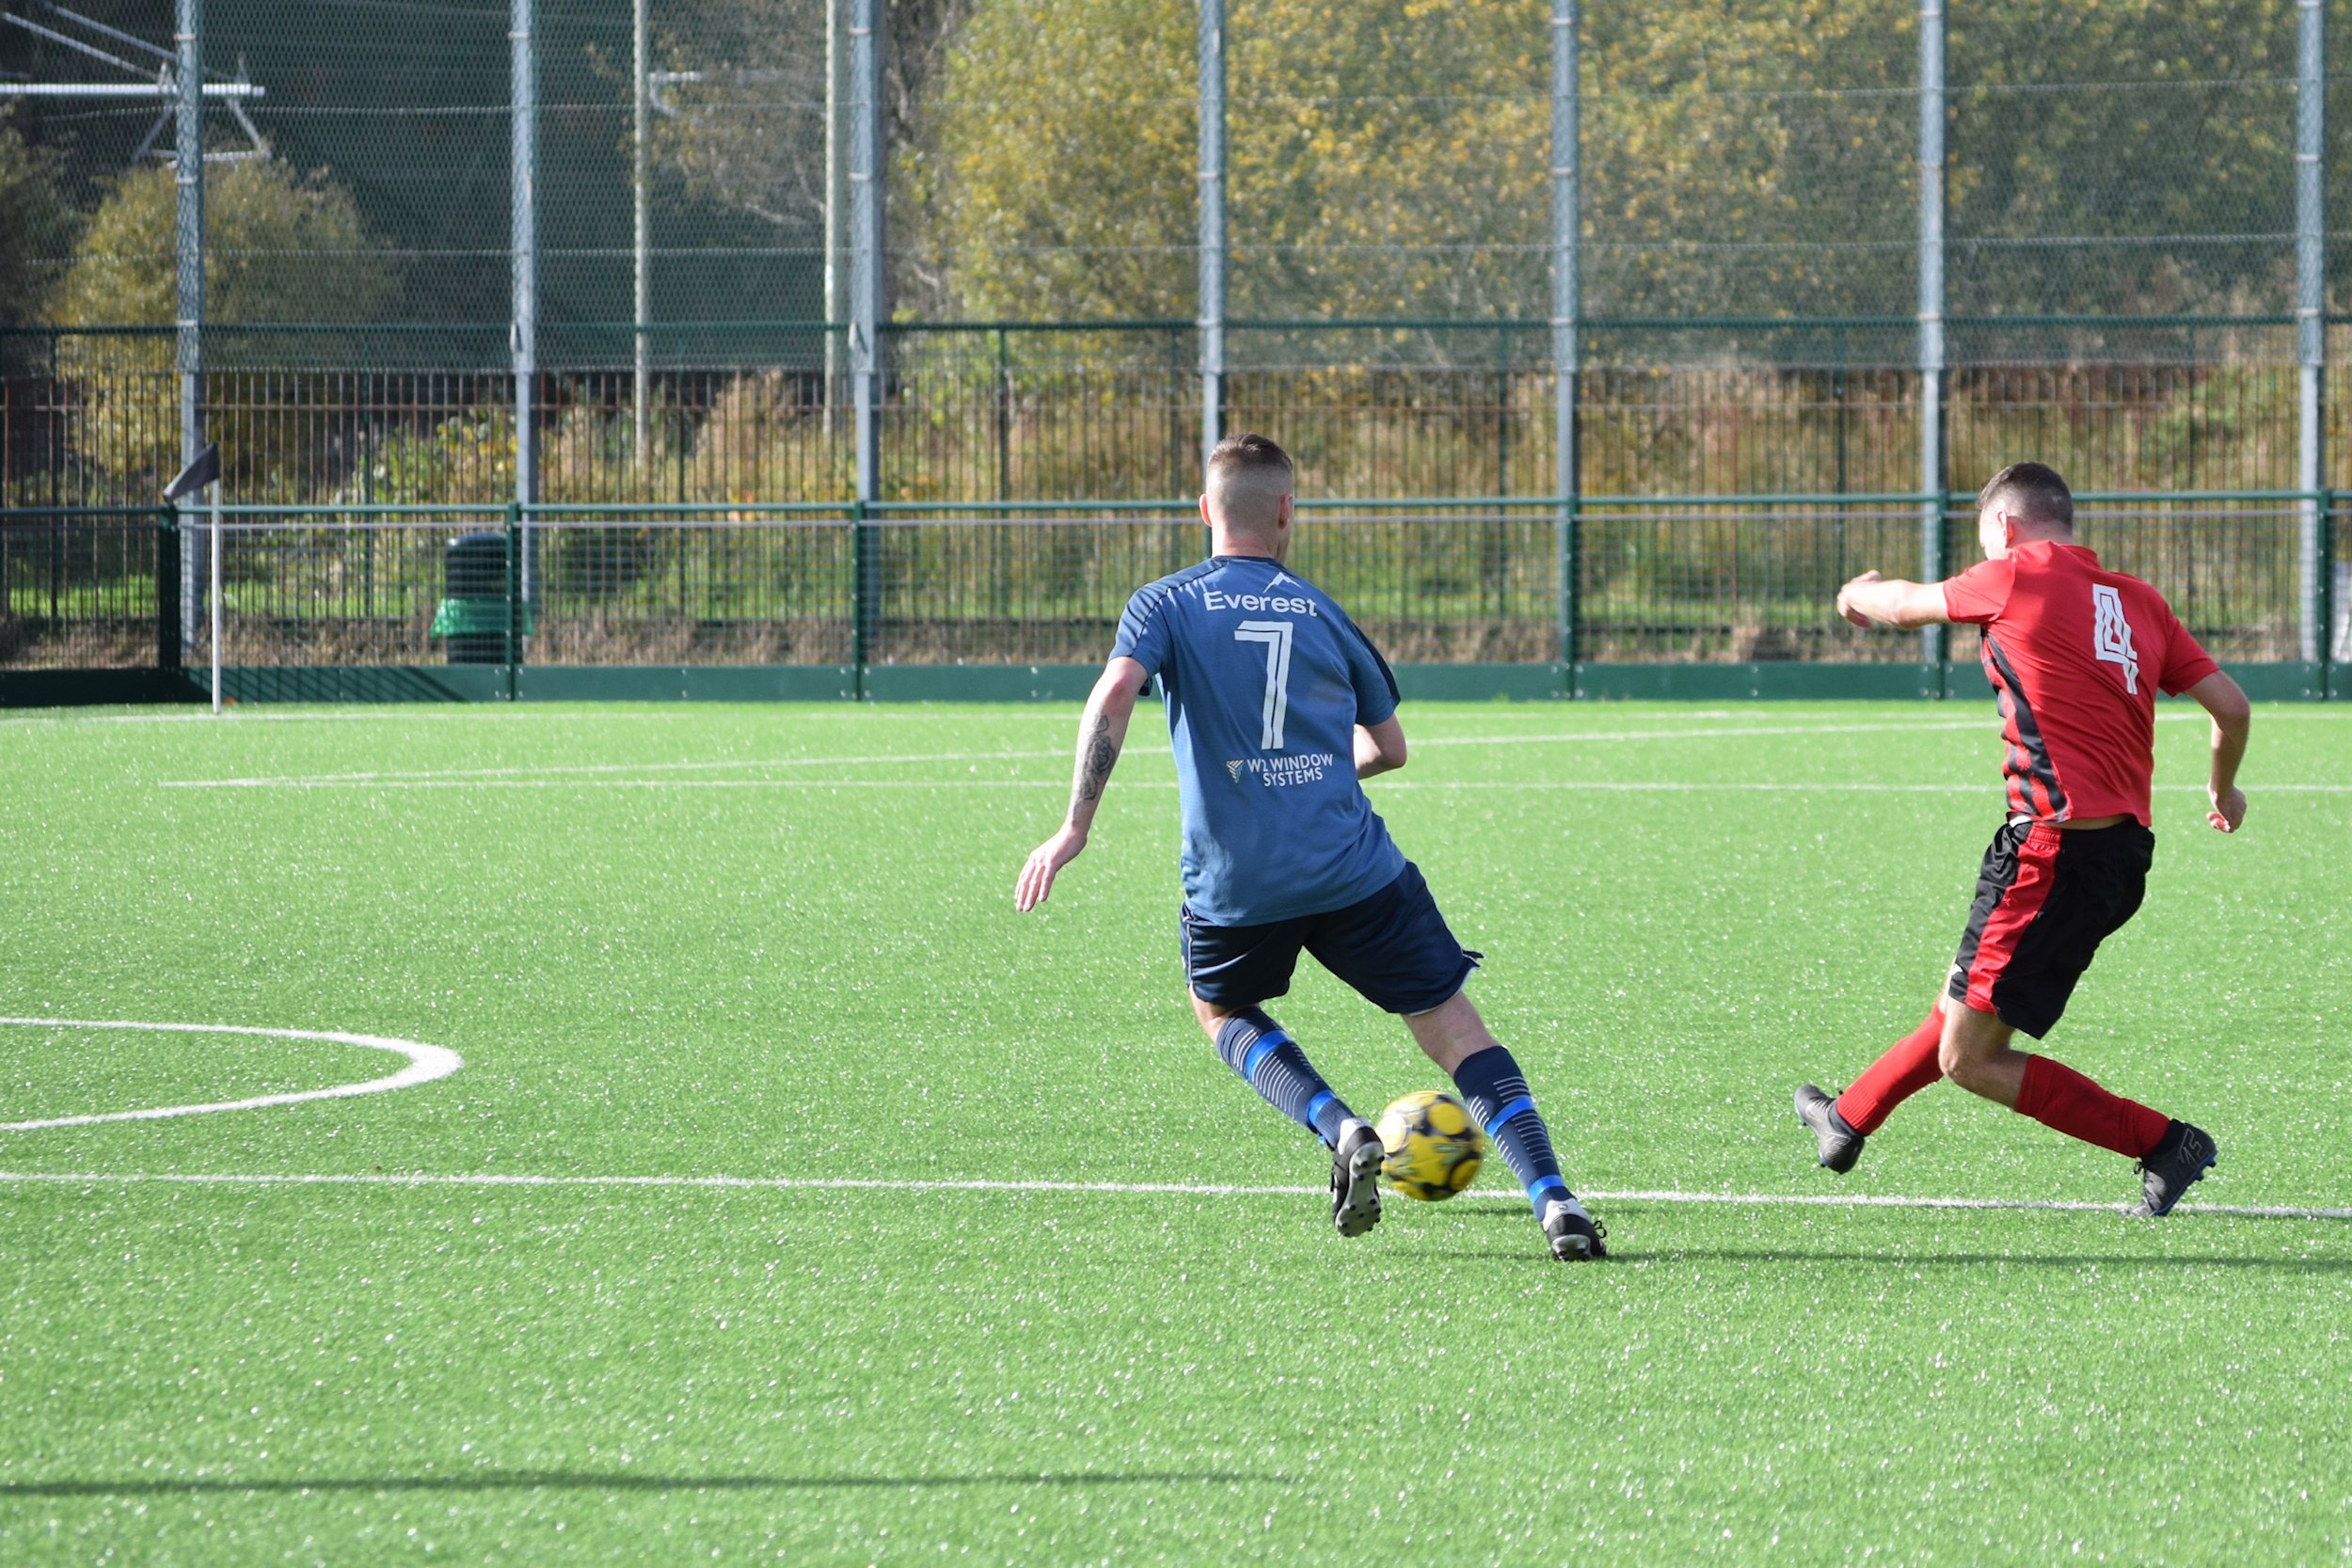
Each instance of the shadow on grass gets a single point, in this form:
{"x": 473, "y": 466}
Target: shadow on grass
{"x": 571, "y": 1480}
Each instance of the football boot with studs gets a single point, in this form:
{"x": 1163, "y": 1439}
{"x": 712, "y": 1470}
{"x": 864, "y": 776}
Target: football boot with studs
{"x": 1356, "y": 1177}
{"x": 2181, "y": 1157}
{"x": 1841, "y": 1146}
{"x": 1575, "y": 1236}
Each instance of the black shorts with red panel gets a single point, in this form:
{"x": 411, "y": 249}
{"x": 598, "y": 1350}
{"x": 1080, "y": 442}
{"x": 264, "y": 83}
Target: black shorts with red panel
{"x": 2045, "y": 899}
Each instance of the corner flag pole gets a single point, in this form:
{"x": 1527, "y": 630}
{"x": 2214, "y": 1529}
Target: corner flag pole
{"x": 203, "y": 470}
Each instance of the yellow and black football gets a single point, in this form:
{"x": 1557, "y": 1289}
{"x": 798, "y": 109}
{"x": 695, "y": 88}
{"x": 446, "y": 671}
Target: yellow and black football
{"x": 1433, "y": 1146}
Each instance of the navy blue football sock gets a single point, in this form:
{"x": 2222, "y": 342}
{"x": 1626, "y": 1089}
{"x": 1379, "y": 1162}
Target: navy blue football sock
{"x": 1270, "y": 1062}
{"x": 1496, "y": 1092}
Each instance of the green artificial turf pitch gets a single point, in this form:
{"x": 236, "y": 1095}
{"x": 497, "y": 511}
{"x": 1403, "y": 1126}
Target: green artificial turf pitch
{"x": 779, "y": 944}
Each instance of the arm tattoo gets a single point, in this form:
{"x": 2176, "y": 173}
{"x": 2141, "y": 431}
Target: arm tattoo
{"x": 1098, "y": 754}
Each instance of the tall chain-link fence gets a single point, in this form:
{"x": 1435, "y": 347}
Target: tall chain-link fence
{"x": 654, "y": 208}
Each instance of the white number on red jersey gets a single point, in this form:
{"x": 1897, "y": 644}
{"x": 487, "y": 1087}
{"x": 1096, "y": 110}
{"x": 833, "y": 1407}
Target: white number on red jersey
{"x": 2111, "y": 634}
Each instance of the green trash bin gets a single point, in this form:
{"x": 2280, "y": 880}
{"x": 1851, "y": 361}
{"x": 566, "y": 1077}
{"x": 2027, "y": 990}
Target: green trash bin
{"x": 472, "y": 613}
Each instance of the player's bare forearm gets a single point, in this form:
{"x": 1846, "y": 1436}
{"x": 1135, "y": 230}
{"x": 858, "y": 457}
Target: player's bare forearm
{"x": 1101, "y": 731}
{"x": 2233, "y": 717}
{"x": 1872, "y": 600}
{"x": 1379, "y": 747}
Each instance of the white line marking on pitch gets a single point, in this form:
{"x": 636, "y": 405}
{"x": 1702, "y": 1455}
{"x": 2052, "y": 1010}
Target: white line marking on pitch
{"x": 460, "y": 773}
{"x": 1987, "y": 724}
{"x": 425, "y": 1064}
{"x": 548, "y": 776}
{"x": 474, "y": 773}
{"x": 1988, "y": 787}
{"x": 1382, "y": 785}
{"x": 486, "y": 774}
{"x": 1180, "y": 1189}
{"x": 645, "y": 784}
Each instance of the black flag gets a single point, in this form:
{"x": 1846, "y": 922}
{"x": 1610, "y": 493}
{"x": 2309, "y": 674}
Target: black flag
{"x": 198, "y": 474}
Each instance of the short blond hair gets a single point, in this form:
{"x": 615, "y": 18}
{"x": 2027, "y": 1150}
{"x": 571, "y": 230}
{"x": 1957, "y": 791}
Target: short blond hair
{"x": 1248, "y": 476}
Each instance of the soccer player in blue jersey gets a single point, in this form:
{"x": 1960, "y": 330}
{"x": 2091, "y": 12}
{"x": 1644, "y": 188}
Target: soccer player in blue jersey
{"x": 1277, "y": 707}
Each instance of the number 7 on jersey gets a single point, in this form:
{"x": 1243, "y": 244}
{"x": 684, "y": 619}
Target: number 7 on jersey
{"x": 1276, "y": 635}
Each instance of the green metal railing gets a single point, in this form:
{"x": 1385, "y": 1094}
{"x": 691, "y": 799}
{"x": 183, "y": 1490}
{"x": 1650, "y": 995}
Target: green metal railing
{"x": 1002, "y": 410}
{"x": 1595, "y": 579}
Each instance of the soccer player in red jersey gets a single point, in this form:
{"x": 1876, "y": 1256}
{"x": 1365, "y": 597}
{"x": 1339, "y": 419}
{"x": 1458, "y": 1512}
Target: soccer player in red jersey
{"x": 2076, "y": 655}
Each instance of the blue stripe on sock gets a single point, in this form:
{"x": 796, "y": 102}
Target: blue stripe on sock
{"x": 1264, "y": 1046}
{"x": 1314, "y": 1106}
{"x": 1543, "y": 1183}
{"x": 1494, "y": 1123}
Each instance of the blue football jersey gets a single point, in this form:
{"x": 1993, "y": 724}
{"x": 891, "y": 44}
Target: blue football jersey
{"x": 1266, "y": 679}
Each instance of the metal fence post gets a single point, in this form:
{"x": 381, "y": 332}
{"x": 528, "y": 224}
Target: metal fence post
{"x": 1211, "y": 43}
{"x": 2310, "y": 323}
{"x": 865, "y": 223}
{"x": 640, "y": 399}
{"x": 188, "y": 243}
{"x": 514, "y": 593}
{"x": 861, "y": 596}
{"x": 170, "y": 651}
{"x": 1567, "y": 306}
{"x": 218, "y": 594}
{"x": 866, "y": 287}
{"x": 2329, "y": 605}
{"x": 1932, "y": 458}
{"x": 1004, "y": 421}
{"x": 523, "y": 243}
{"x": 833, "y": 208}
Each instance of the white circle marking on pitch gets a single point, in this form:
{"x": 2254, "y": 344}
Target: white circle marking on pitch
{"x": 425, "y": 1064}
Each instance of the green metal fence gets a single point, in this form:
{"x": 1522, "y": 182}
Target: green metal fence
{"x": 1035, "y": 411}
{"x": 88, "y": 588}
{"x": 1667, "y": 580}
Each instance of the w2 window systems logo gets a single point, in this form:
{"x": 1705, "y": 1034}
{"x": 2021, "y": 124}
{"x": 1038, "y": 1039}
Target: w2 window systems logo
{"x": 2111, "y": 634}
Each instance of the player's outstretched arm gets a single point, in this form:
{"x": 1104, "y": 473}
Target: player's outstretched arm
{"x": 1872, "y": 600}
{"x": 2219, "y": 695}
{"x": 1101, "y": 731}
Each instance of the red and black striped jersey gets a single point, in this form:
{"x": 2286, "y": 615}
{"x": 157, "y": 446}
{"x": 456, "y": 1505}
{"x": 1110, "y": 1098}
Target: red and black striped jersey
{"x": 2076, "y": 655}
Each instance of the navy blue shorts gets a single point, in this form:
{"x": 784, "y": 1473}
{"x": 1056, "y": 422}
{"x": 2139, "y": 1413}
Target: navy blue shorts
{"x": 1393, "y": 948}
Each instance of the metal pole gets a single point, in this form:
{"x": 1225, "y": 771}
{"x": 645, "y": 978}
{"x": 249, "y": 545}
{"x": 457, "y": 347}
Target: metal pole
{"x": 170, "y": 608}
{"x": 188, "y": 245}
{"x": 1932, "y": 458}
{"x": 1211, "y": 51}
{"x": 524, "y": 244}
{"x": 866, "y": 285}
{"x": 2310, "y": 324}
{"x": 1004, "y": 421}
{"x": 2332, "y": 599}
{"x": 1567, "y": 307}
{"x": 215, "y": 532}
{"x": 860, "y": 589}
{"x": 515, "y": 599}
{"x": 833, "y": 207}
{"x": 638, "y": 111}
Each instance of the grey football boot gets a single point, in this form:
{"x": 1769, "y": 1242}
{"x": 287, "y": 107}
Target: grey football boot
{"x": 1841, "y": 1146}
{"x": 1575, "y": 1236}
{"x": 2182, "y": 1156}
{"x": 1356, "y": 1177}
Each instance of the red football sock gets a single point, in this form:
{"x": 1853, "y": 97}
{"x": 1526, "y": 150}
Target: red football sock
{"x": 1908, "y": 1067}
{"x": 2057, "y": 1096}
